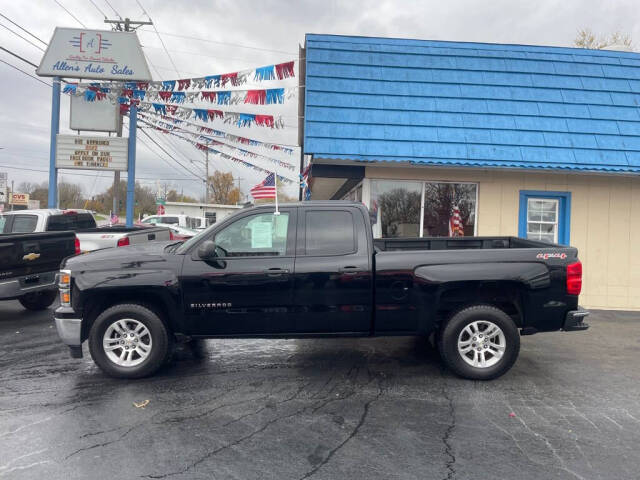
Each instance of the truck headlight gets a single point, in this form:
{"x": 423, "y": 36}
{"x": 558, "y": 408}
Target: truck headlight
{"x": 64, "y": 284}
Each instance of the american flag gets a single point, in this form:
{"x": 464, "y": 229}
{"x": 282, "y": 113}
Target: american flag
{"x": 266, "y": 188}
{"x": 455, "y": 223}
{"x": 114, "y": 218}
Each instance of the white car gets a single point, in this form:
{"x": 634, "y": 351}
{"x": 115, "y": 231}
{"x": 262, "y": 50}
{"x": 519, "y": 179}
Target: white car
{"x": 184, "y": 221}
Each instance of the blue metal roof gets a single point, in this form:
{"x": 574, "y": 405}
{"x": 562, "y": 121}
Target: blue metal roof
{"x": 471, "y": 104}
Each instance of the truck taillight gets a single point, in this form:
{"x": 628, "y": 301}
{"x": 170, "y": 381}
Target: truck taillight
{"x": 77, "y": 245}
{"x": 123, "y": 242}
{"x": 574, "y": 278}
{"x": 171, "y": 237}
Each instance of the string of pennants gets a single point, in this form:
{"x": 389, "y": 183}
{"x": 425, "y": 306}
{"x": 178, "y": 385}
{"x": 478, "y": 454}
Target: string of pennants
{"x": 267, "y": 96}
{"x": 232, "y": 118}
{"x": 170, "y": 128}
{"x": 205, "y": 147}
{"x": 279, "y": 71}
{"x": 218, "y": 133}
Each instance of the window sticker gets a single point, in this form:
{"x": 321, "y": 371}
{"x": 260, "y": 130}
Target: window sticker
{"x": 261, "y": 235}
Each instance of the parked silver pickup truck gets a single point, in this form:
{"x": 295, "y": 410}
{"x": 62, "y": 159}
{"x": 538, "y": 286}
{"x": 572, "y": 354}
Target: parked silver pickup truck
{"x": 81, "y": 222}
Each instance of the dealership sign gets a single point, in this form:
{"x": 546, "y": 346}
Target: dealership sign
{"x": 91, "y": 152}
{"x": 95, "y": 54}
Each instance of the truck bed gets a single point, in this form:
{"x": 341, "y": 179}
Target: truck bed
{"x": 456, "y": 243}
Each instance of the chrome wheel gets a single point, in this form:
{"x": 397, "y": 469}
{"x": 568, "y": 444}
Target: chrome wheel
{"x": 127, "y": 342}
{"x": 481, "y": 344}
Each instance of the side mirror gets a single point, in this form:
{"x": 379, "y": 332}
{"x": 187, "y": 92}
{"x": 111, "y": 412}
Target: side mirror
{"x": 207, "y": 250}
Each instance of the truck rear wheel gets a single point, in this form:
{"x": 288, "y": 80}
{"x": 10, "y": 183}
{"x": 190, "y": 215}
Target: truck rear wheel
{"x": 38, "y": 300}
{"x": 129, "y": 341}
{"x": 479, "y": 342}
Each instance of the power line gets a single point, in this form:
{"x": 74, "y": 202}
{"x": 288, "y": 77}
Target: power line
{"x": 19, "y": 57}
{"x": 24, "y": 29}
{"x": 167, "y": 153}
{"x": 223, "y": 43}
{"x": 114, "y": 10}
{"x": 26, "y": 73}
{"x": 98, "y": 8}
{"x": 71, "y": 14}
{"x": 12, "y": 167}
{"x": 159, "y": 38}
{"x": 23, "y": 38}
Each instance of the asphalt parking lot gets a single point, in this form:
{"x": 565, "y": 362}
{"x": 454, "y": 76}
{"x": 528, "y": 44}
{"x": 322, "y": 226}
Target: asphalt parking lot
{"x": 322, "y": 409}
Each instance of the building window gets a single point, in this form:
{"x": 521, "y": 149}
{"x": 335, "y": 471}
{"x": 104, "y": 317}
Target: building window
{"x": 545, "y": 216}
{"x": 449, "y": 209}
{"x": 542, "y": 219}
{"x": 395, "y": 208}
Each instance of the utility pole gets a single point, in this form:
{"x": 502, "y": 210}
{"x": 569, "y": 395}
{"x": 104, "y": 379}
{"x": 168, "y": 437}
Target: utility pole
{"x": 206, "y": 179}
{"x": 239, "y": 191}
{"x": 120, "y": 25}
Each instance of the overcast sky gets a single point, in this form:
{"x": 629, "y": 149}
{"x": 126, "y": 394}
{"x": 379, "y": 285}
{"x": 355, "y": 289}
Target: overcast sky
{"x": 273, "y": 28}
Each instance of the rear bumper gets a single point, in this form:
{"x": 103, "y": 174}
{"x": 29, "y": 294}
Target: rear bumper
{"x": 574, "y": 321}
{"x": 20, "y": 286}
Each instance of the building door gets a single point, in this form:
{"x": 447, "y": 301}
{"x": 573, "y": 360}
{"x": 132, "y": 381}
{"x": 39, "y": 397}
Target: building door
{"x": 248, "y": 287}
{"x": 545, "y": 216}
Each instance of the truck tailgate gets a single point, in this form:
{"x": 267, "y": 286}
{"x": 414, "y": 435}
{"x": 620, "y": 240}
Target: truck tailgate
{"x": 33, "y": 253}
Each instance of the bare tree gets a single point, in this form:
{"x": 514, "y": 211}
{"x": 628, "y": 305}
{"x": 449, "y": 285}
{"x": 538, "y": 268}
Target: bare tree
{"x": 586, "y": 38}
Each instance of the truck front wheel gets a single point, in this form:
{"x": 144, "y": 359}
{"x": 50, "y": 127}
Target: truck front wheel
{"x": 38, "y": 300}
{"x": 479, "y": 342}
{"x": 129, "y": 341}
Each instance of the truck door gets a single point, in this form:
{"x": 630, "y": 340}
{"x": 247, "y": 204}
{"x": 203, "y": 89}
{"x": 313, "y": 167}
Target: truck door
{"x": 333, "y": 272}
{"x": 247, "y": 288}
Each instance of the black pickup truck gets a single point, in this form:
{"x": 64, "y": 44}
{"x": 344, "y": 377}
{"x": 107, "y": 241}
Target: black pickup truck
{"x": 314, "y": 269}
{"x": 29, "y": 264}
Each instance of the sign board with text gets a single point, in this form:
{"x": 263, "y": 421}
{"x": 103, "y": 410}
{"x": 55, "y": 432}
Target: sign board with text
{"x": 91, "y": 152}
{"x": 95, "y": 54}
{"x": 3, "y": 187}
{"x": 99, "y": 116}
{"x": 21, "y": 199}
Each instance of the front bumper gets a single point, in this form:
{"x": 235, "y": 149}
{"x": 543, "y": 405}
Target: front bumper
{"x": 574, "y": 321}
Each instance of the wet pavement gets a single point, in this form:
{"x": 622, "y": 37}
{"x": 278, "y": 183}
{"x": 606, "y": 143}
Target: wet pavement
{"x": 323, "y": 409}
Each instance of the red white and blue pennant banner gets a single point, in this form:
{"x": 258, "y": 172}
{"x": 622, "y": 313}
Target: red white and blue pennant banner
{"x": 237, "y": 119}
{"x": 218, "y": 133}
{"x": 170, "y": 128}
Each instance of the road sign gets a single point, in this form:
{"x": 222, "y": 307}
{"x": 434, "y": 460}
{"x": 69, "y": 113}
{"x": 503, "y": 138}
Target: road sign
{"x": 96, "y": 54}
{"x": 3, "y": 187}
{"x": 91, "y": 152}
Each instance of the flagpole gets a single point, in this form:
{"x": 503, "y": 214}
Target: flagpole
{"x": 275, "y": 182}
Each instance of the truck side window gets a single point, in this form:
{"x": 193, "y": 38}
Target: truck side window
{"x": 24, "y": 224}
{"x": 264, "y": 234}
{"x": 329, "y": 232}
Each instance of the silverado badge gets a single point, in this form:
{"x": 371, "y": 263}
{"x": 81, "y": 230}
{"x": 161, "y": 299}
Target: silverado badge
{"x": 31, "y": 256}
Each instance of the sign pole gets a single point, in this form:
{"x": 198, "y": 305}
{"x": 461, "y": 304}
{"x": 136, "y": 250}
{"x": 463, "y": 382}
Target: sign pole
{"x": 131, "y": 163}
{"x": 55, "y": 128}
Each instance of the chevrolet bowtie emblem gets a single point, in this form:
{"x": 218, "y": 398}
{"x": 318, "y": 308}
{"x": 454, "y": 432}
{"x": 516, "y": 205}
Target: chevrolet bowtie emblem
{"x": 31, "y": 256}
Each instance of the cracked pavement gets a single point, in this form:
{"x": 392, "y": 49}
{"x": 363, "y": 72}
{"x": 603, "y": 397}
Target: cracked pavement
{"x": 327, "y": 408}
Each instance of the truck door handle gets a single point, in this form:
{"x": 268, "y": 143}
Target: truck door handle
{"x": 276, "y": 271}
{"x": 350, "y": 269}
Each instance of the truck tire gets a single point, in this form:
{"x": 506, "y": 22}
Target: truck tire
{"x": 129, "y": 341}
{"x": 38, "y": 300}
{"x": 480, "y": 342}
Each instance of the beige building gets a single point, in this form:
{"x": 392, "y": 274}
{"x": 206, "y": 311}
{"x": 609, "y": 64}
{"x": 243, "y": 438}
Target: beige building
{"x": 529, "y": 141}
